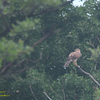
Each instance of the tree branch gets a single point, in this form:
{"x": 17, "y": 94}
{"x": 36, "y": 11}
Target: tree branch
{"x": 37, "y": 59}
{"x": 83, "y": 96}
{"x": 47, "y": 95}
{"x": 5, "y": 67}
{"x": 95, "y": 68}
{"x": 31, "y": 14}
{"x": 95, "y": 65}
{"x": 83, "y": 59}
{"x": 51, "y": 10}
{"x": 63, "y": 89}
{"x": 43, "y": 38}
{"x": 54, "y": 91}
{"x": 21, "y": 70}
{"x": 32, "y": 92}
{"x": 88, "y": 74}
{"x": 75, "y": 97}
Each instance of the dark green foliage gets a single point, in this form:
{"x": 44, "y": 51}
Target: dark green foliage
{"x": 36, "y": 37}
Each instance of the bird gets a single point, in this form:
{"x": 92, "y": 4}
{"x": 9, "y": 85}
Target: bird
{"x": 73, "y": 57}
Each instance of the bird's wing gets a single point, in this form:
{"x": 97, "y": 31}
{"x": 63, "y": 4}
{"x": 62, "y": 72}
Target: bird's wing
{"x": 73, "y": 55}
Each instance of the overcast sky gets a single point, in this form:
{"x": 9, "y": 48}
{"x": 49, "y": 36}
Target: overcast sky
{"x": 78, "y": 2}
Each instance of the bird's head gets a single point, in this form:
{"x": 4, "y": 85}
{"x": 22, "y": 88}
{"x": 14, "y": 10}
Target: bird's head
{"x": 77, "y": 50}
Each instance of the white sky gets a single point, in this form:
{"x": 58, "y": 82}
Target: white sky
{"x": 78, "y": 2}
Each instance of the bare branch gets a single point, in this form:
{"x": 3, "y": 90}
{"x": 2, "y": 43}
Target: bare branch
{"x": 54, "y": 91}
{"x": 21, "y": 70}
{"x": 63, "y": 89}
{"x": 75, "y": 97}
{"x": 98, "y": 39}
{"x": 88, "y": 74}
{"x": 94, "y": 48}
{"x": 5, "y": 67}
{"x": 32, "y": 92}
{"x": 95, "y": 88}
{"x": 6, "y": 76}
{"x": 51, "y": 10}
{"x": 83, "y": 96}
{"x": 37, "y": 59}
{"x": 63, "y": 94}
{"x": 47, "y": 95}
{"x": 92, "y": 44}
{"x": 17, "y": 72}
{"x": 83, "y": 59}
{"x": 95, "y": 65}
{"x": 93, "y": 57}
{"x": 24, "y": 69}
{"x": 44, "y": 37}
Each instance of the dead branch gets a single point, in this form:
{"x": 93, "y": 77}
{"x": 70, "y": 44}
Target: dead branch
{"x": 44, "y": 37}
{"x": 93, "y": 57}
{"x": 47, "y": 95}
{"x": 83, "y": 96}
{"x": 95, "y": 65}
{"x": 21, "y": 70}
{"x": 6, "y": 76}
{"x": 88, "y": 74}
{"x": 54, "y": 91}
{"x": 83, "y": 59}
{"x": 98, "y": 39}
{"x": 17, "y": 72}
{"x": 75, "y": 97}
{"x": 37, "y": 59}
{"x": 95, "y": 68}
{"x": 5, "y": 67}
{"x": 63, "y": 89}
{"x": 32, "y": 92}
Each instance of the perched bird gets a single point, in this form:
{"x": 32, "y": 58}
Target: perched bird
{"x": 73, "y": 57}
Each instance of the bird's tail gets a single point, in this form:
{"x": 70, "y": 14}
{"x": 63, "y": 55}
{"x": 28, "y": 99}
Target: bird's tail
{"x": 67, "y": 64}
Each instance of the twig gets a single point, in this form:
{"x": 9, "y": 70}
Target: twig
{"x": 63, "y": 89}
{"x": 54, "y": 91}
{"x": 88, "y": 74}
{"x": 93, "y": 46}
{"x": 63, "y": 94}
{"x": 93, "y": 57}
{"x": 82, "y": 59}
{"x": 6, "y": 76}
{"x": 24, "y": 69}
{"x": 32, "y": 92}
{"x": 21, "y": 70}
{"x": 5, "y": 67}
{"x": 75, "y": 96}
{"x": 44, "y": 37}
{"x": 37, "y": 59}
{"x": 47, "y": 95}
{"x": 95, "y": 64}
{"x": 98, "y": 39}
{"x": 95, "y": 68}
{"x": 83, "y": 96}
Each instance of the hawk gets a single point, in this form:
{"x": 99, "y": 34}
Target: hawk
{"x": 73, "y": 57}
